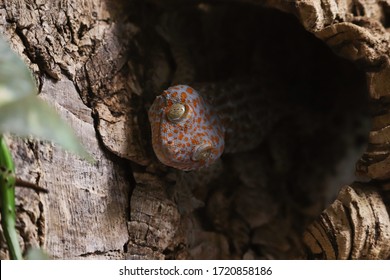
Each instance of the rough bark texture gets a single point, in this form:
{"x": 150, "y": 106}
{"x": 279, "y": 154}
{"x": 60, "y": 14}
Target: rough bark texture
{"x": 100, "y": 64}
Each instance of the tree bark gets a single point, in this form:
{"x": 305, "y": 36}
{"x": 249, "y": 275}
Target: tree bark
{"x": 100, "y": 64}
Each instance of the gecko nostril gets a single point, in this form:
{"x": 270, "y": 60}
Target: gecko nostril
{"x": 176, "y": 112}
{"x": 202, "y": 152}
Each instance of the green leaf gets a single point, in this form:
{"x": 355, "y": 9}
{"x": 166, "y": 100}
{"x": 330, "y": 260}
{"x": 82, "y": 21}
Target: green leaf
{"x": 23, "y": 113}
{"x": 16, "y": 80}
{"x": 7, "y": 201}
{"x": 32, "y": 116}
{"x": 36, "y": 254}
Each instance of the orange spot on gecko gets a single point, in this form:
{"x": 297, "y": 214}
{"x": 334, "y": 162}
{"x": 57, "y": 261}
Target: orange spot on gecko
{"x": 183, "y": 97}
{"x": 189, "y": 90}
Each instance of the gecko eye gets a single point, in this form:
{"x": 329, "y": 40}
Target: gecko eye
{"x": 176, "y": 112}
{"x": 202, "y": 152}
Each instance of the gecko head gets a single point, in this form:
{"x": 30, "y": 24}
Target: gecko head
{"x": 186, "y": 133}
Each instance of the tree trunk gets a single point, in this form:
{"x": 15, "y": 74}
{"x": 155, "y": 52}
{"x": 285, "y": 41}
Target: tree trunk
{"x": 101, "y": 63}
